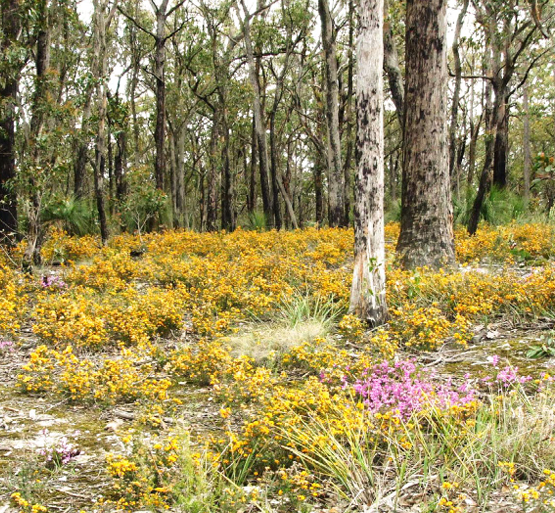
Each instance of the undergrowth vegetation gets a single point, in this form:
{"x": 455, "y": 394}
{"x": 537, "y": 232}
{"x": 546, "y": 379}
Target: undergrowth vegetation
{"x": 312, "y": 411}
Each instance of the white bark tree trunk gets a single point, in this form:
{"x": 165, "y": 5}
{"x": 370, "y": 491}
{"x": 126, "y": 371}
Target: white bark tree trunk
{"x": 368, "y": 289}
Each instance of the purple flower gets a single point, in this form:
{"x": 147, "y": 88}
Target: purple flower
{"x": 405, "y": 389}
{"x": 6, "y": 344}
{"x": 494, "y": 360}
{"x": 53, "y": 282}
{"x": 60, "y": 453}
{"x": 509, "y": 376}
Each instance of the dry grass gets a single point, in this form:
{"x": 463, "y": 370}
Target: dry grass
{"x": 265, "y": 342}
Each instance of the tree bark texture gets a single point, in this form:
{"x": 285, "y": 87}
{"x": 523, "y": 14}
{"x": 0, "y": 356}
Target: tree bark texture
{"x": 391, "y": 67}
{"x": 457, "y": 90}
{"x": 8, "y": 97}
{"x": 527, "y": 170}
{"x": 259, "y": 125}
{"x": 368, "y": 287}
{"x": 336, "y": 199}
{"x": 426, "y": 237}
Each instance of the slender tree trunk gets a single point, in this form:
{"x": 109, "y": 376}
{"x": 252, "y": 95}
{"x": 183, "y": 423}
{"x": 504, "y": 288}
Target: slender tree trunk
{"x": 336, "y": 197}
{"x": 274, "y": 164}
{"x": 526, "y": 143}
{"x": 212, "y": 207}
{"x": 228, "y": 217}
{"x": 368, "y": 287}
{"x": 391, "y": 67}
{"x": 251, "y": 202}
{"x": 8, "y": 98}
{"x": 318, "y": 191}
{"x": 426, "y": 237}
{"x": 100, "y": 155}
{"x": 134, "y": 117}
{"x": 457, "y": 90}
{"x": 159, "y": 70}
{"x": 349, "y": 120}
{"x": 42, "y": 65}
{"x": 259, "y": 125}
{"x": 180, "y": 177}
{"x": 474, "y": 132}
{"x": 491, "y": 126}
{"x": 501, "y": 147}
{"x": 120, "y": 164}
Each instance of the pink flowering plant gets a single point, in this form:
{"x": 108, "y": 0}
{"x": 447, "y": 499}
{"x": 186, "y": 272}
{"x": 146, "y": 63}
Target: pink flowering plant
{"x": 505, "y": 378}
{"x": 403, "y": 388}
{"x": 6, "y": 346}
{"x": 58, "y": 454}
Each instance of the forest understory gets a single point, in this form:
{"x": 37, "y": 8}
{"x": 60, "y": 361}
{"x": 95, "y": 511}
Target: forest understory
{"x": 221, "y": 373}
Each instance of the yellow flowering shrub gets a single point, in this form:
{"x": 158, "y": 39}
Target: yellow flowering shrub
{"x": 12, "y": 301}
{"x": 202, "y": 364}
{"x": 26, "y": 506}
{"x": 83, "y": 318}
{"x": 61, "y": 246}
{"x": 105, "y": 342}
{"x": 108, "y": 381}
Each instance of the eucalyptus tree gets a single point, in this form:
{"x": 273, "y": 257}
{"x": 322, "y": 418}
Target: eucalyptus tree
{"x": 391, "y": 64}
{"x": 161, "y": 35}
{"x": 511, "y": 34}
{"x": 457, "y": 62}
{"x": 336, "y": 192}
{"x": 270, "y": 210}
{"x": 368, "y": 287}
{"x": 13, "y": 60}
{"x": 39, "y": 108}
{"x": 426, "y": 237}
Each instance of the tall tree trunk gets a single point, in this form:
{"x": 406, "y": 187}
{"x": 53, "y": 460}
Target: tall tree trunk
{"x": 318, "y": 191}
{"x": 259, "y": 125}
{"x": 120, "y": 164}
{"x": 132, "y": 100}
{"x": 228, "y": 217}
{"x": 490, "y": 127}
{"x": 42, "y": 65}
{"x": 99, "y": 167}
{"x": 180, "y": 176}
{"x": 391, "y": 67}
{"x": 159, "y": 70}
{"x": 368, "y": 287}
{"x": 501, "y": 147}
{"x": 212, "y": 207}
{"x": 526, "y": 143}
{"x": 349, "y": 120}
{"x": 426, "y": 237}
{"x": 274, "y": 163}
{"x": 8, "y": 97}
{"x": 336, "y": 199}
{"x": 474, "y": 132}
{"x": 457, "y": 90}
{"x": 251, "y": 199}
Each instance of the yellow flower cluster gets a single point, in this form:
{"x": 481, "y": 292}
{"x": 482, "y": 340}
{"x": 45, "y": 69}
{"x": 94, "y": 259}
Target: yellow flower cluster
{"x": 540, "y": 497}
{"x": 151, "y": 475}
{"x": 509, "y": 243}
{"x": 112, "y": 380}
{"x": 26, "y": 506}
{"x": 63, "y": 247}
{"x": 82, "y": 318}
{"x": 12, "y": 301}
{"x": 426, "y": 327}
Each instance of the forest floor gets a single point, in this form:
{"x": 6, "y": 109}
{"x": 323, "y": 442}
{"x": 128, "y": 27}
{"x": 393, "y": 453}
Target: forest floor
{"x": 220, "y": 373}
